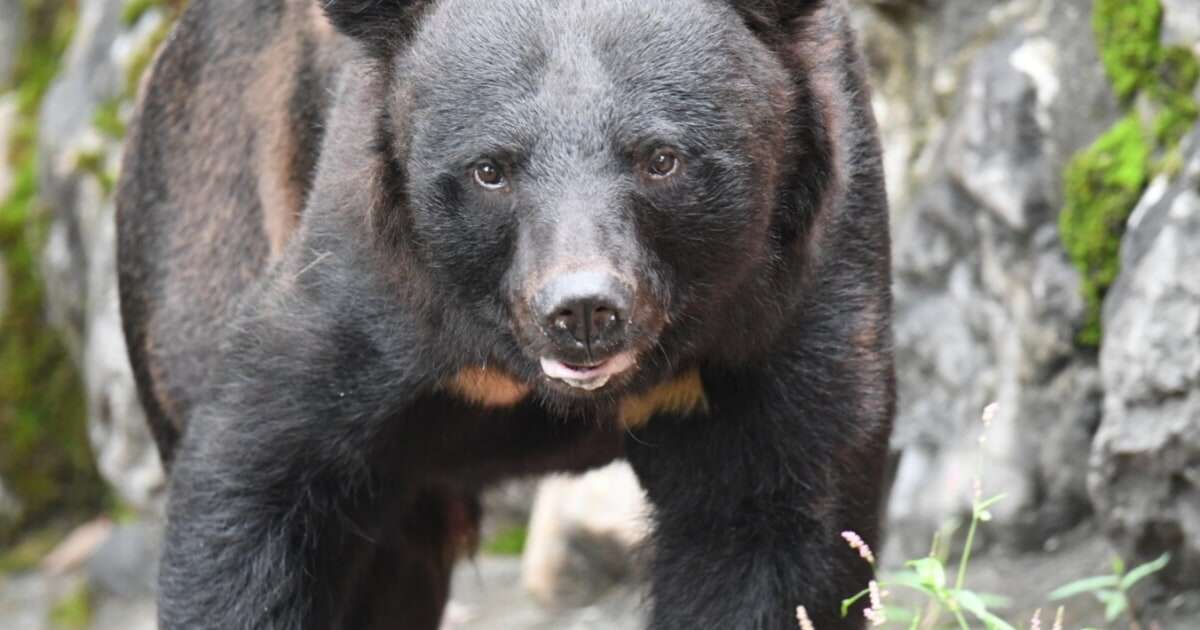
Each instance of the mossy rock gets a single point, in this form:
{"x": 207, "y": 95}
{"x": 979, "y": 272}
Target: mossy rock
{"x": 45, "y": 458}
{"x": 1104, "y": 182}
{"x": 1103, "y": 185}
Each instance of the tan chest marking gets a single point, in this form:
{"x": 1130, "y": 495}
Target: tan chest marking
{"x": 682, "y": 396}
{"x": 488, "y": 388}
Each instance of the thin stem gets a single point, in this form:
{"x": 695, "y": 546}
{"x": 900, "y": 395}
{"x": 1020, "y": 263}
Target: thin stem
{"x": 966, "y": 555}
{"x": 962, "y": 622}
{"x": 1134, "y": 622}
{"x": 932, "y": 612}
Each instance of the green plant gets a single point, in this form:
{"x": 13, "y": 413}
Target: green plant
{"x": 74, "y": 610}
{"x": 507, "y": 542}
{"x": 928, "y": 576}
{"x": 1113, "y": 590}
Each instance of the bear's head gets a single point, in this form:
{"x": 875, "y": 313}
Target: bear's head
{"x": 604, "y": 189}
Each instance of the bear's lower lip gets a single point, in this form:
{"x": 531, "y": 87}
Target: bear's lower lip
{"x": 588, "y": 377}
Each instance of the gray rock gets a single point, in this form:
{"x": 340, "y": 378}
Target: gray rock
{"x": 26, "y": 601}
{"x": 1181, "y": 24}
{"x": 125, "y": 614}
{"x": 507, "y": 506}
{"x": 12, "y": 18}
{"x": 125, "y": 565}
{"x": 583, "y": 534}
{"x": 986, "y": 301}
{"x": 10, "y": 507}
{"x": 487, "y": 595}
{"x": 1146, "y": 459}
{"x": 8, "y": 126}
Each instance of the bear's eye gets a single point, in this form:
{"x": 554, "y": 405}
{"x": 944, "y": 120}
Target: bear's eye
{"x": 489, "y": 175}
{"x": 663, "y": 163}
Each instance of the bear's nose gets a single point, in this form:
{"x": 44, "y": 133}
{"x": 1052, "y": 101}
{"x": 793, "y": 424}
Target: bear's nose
{"x": 585, "y": 309}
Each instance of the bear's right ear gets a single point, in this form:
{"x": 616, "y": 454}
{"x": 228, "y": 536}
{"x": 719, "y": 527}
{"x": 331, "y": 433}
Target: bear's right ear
{"x": 381, "y": 25}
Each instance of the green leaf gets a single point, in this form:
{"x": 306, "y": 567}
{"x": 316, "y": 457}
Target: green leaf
{"x": 898, "y": 615}
{"x": 904, "y": 578}
{"x": 1086, "y": 585}
{"x": 850, "y": 601}
{"x": 1118, "y": 566}
{"x": 1139, "y": 572}
{"x": 1115, "y": 603}
{"x": 931, "y": 572}
{"x": 983, "y": 505}
{"x": 974, "y": 604}
{"x": 994, "y": 601}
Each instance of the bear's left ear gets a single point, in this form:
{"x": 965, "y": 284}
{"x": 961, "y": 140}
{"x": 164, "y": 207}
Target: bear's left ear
{"x": 380, "y": 25}
{"x": 768, "y": 16}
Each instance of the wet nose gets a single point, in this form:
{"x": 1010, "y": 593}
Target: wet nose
{"x": 584, "y": 308}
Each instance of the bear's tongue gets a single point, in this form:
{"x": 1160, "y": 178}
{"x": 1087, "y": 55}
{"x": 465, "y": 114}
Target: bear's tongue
{"x": 587, "y": 377}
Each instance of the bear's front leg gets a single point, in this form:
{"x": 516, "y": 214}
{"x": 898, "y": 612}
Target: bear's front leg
{"x": 273, "y": 491}
{"x": 750, "y": 499}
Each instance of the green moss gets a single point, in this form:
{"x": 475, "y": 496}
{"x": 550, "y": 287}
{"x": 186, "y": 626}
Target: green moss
{"x": 94, "y": 164}
{"x": 1179, "y": 70}
{"x": 29, "y": 550}
{"x": 1127, "y": 32}
{"x": 135, "y": 9}
{"x": 1174, "y": 88}
{"x": 73, "y": 611}
{"x": 49, "y": 26}
{"x": 44, "y": 454}
{"x": 509, "y": 542}
{"x": 1103, "y": 184}
{"x": 107, "y": 119}
{"x": 1105, "y": 181}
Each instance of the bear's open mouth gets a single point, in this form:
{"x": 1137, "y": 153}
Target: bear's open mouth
{"x": 588, "y": 377}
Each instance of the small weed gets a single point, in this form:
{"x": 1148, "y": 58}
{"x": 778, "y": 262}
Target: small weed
{"x": 947, "y": 596}
{"x": 1113, "y": 590}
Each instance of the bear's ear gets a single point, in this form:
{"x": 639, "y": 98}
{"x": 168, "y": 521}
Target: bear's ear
{"x": 381, "y": 25}
{"x": 770, "y": 16}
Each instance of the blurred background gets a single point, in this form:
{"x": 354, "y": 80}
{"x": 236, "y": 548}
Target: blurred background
{"x": 1043, "y": 159}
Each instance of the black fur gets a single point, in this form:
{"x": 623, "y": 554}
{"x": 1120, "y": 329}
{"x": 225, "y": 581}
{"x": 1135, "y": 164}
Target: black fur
{"x": 307, "y": 263}
{"x": 382, "y": 25}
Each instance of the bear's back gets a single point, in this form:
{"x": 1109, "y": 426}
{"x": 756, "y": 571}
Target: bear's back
{"x": 217, "y": 166}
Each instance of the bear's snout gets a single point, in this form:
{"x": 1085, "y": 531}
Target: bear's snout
{"x": 584, "y": 314}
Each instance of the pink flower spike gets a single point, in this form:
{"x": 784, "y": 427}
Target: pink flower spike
{"x": 989, "y": 414}
{"x": 875, "y": 614}
{"x": 802, "y": 616}
{"x": 858, "y": 544}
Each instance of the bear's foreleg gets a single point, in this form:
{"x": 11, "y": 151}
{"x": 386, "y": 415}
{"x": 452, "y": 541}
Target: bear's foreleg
{"x": 750, "y": 500}
{"x": 273, "y": 496}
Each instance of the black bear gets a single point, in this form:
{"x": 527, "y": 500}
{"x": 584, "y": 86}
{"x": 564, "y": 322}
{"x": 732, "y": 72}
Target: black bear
{"x": 375, "y": 255}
